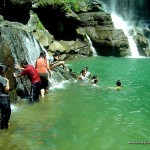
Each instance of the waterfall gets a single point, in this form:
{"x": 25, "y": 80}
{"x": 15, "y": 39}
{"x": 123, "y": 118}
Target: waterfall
{"x": 120, "y": 24}
{"x": 122, "y": 12}
{"x": 22, "y": 45}
{"x": 91, "y": 46}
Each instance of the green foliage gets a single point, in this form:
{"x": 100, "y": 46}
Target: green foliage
{"x": 45, "y": 2}
{"x": 74, "y": 4}
{"x": 39, "y": 23}
{"x": 40, "y": 26}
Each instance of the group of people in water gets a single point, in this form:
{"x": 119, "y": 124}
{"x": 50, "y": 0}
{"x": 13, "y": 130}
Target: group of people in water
{"x": 85, "y": 75}
{"x": 39, "y": 78}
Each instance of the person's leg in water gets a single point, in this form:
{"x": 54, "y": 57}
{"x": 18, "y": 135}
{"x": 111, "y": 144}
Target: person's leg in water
{"x": 5, "y": 111}
{"x": 35, "y": 92}
{"x": 44, "y": 84}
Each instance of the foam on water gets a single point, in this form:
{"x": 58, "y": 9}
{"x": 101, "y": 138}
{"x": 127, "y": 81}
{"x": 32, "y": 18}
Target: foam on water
{"x": 59, "y": 85}
{"x": 13, "y": 108}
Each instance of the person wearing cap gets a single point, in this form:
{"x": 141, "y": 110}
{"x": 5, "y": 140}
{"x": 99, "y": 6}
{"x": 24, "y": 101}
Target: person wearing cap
{"x": 4, "y": 99}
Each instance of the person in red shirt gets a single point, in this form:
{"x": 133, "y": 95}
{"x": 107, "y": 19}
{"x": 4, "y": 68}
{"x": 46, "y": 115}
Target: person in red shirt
{"x": 34, "y": 78}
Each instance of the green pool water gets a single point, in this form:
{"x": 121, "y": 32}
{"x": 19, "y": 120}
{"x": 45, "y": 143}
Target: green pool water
{"x": 77, "y": 116}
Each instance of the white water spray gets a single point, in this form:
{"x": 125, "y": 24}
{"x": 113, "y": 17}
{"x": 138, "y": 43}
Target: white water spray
{"x": 120, "y": 24}
{"x": 91, "y": 46}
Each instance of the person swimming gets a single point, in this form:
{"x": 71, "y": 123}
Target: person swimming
{"x": 118, "y": 85}
{"x": 82, "y": 76}
{"x": 87, "y": 73}
{"x": 94, "y": 80}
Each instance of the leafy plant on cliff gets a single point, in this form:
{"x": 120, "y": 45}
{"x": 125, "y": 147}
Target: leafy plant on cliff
{"x": 75, "y": 5}
{"x": 39, "y": 25}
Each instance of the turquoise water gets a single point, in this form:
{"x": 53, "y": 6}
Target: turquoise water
{"x": 83, "y": 117}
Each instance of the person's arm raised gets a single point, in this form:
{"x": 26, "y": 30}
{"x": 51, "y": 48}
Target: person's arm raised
{"x": 18, "y": 67}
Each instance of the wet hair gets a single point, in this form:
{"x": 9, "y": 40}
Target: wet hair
{"x": 118, "y": 83}
{"x": 95, "y": 79}
{"x": 86, "y": 68}
{"x": 57, "y": 51}
{"x": 43, "y": 54}
{"x": 24, "y": 62}
{"x": 70, "y": 69}
{"x": 55, "y": 54}
{"x": 82, "y": 71}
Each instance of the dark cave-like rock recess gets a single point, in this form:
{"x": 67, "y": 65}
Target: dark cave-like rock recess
{"x": 16, "y": 15}
{"x": 15, "y": 12}
{"x": 57, "y": 24}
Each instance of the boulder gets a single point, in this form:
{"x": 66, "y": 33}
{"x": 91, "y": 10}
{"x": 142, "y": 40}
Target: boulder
{"x": 43, "y": 37}
{"x": 142, "y": 44}
{"x": 55, "y": 45}
{"x": 107, "y": 41}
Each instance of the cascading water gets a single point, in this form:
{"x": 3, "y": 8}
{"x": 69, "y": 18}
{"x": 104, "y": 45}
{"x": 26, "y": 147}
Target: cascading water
{"x": 22, "y": 45}
{"x": 120, "y": 24}
{"x": 126, "y": 14}
{"x": 91, "y": 46}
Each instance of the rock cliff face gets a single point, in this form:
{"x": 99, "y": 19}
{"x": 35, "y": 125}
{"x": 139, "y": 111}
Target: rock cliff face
{"x": 58, "y": 23}
{"x": 17, "y": 44}
{"x": 106, "y": 39}
{"x": 92, "y": 21}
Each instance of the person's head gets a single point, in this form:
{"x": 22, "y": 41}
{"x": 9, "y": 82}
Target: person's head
{"x": 2, "y": 69}
{"x": 85, "y": 68}
{"x": 55, "y": 54}
{"x": 58, "y": 52}
{"x": 118, "y": 83}
{"x": 83, "y": 72}
{"x": 24, "y": 63}
{"x": 70, "y": 69}
{"x": 94, "y": 79}
{"x": 43, "y": 54}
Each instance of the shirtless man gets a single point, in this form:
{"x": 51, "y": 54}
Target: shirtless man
{"x": 55, "y": 62}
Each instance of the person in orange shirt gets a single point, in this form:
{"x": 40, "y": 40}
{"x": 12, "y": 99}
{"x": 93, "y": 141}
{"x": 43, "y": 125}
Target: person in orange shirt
{"x": 42, "y": 67}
